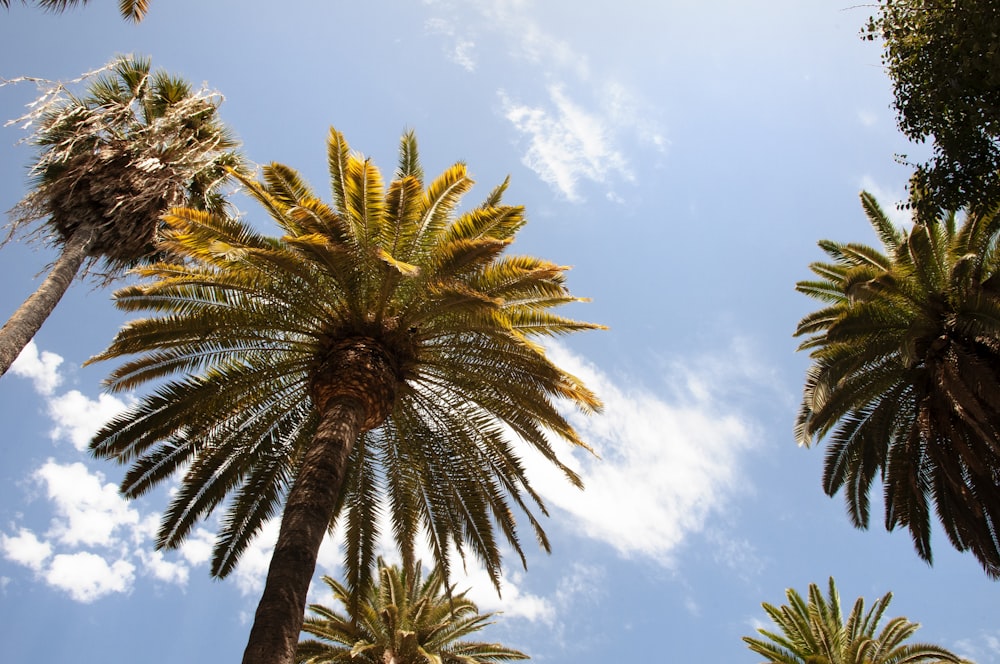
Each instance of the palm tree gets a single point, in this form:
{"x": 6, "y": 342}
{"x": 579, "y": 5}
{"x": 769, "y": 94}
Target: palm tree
{"x": 110, "y": 164}
{"x": 405, "y": 619}
{"x": 815, "y": 632}
{"x": 131, "y": 10}
{"x": 377, "y": 359}
{"x": 906, "y": 376}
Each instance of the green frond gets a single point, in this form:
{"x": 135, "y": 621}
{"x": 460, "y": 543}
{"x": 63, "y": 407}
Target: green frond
{"x": 399, "y": 616}
{"x": 390, "y": 305}
{"x": 816, "y": 631}
{"x": 904, "y": 353}
{"x": 888, "y": 234}
{"x": 409, "y": 159}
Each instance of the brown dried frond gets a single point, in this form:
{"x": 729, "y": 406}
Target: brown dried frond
{"x": 114, "y": 168}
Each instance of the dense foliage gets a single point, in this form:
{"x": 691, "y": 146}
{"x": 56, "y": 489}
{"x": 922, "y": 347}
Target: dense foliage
{"x": 905, "y": 377}
{"x": 815, "y": 631}
{"x": 109, "y": 164}
{"x": 404, "y": 619}
{"x": 944, "y": 60}
{"x": 377, "y": 360}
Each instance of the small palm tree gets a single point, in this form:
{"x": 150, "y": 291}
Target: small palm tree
{"x": 404, "y": 619}
{"x": 815, "y": 632}
{"x": 131, "y": 10}
{"x": 905, "y": 377}
{"x": 378, "y": 359}
{"x": 110, "y": 164}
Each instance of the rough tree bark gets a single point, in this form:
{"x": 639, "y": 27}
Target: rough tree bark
{"x": 29, "y": 317}
{"x": 353, "y": 390}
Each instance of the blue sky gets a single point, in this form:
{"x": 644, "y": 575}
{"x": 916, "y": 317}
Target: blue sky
{"x": 684, "y": 157}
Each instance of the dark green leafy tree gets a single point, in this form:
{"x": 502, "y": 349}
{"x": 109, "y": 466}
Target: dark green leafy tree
{"x": 944, "y": 60}
{"x": 403, "y": 619}
{"x": 379, "y": 359}
{"x": 905, "y": 378}
{"x": 131, "y": 10}
{"x": 814, "y": 631}
{"x": 109, "y": 165}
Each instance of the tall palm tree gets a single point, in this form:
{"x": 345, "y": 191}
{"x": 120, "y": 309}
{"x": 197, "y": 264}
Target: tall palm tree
{"x": 377, "y": 359}
{"x": 404, "y": 619}
{"x": 905, "y": 377}
{"x": 815, "y": 632}
{"x": 131, "y": 10}
{"x": 110, "y": 164}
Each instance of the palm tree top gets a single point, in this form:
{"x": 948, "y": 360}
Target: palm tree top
{"x": 813, "y": 630}
{"x": 390, "y": 299}
{"x": 905, "y": 378}
{"x": 404, "y": 618}
{"x": 111, "y": 161}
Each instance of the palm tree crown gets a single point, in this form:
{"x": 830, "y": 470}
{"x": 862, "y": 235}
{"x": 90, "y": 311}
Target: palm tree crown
{"x": 109, "y": 164}
{"x": 404, "y": 619}
{"x": 130, "y": 10}
{"x": 815, "y": 632}
{"x": 377, "y": 359}
{"x": 906, "y": 375}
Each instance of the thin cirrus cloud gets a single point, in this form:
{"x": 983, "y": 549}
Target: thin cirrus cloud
{"x": 567, "y": 142}
{"x": 670, "y": 463}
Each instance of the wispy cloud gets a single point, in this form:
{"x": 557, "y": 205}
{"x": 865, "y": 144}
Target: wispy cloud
{"x": 566, "y": 143}
{"x": 458, "y": 48}
{"x": 667, "y": 463}
{"x": 578, "y": 134}
{"x": 670, "y": 462}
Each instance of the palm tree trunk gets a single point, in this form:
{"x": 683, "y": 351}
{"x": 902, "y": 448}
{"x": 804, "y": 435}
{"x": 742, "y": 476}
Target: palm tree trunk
{"x": 311, "y": 501}
{"x": 29, "y": 317}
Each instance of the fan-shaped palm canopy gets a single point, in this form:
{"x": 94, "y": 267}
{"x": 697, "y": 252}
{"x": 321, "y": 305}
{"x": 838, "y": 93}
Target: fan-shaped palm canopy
{"x": 109, "y": 164}
{"x": 377, "y": 359}
{"x": 906, "y": 377}
{"x": 112, "y": 161}
{"x": 403, "y": 619}
{"x": 815, "y": 632}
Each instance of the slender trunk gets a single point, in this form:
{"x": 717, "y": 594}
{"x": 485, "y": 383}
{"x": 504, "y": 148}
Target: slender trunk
{"x": 28, "y": 319}
{"x": 310, "y": 503}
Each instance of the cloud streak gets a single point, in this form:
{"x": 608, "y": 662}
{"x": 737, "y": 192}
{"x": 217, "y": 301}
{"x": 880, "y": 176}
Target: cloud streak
{"x": 667, "y": 466}
{"x": 576, "y": 135}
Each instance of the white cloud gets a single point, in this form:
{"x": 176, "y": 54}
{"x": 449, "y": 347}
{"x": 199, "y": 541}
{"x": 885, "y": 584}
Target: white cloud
{"x": 459, "y": 49}
{"x": 867, "y": 118}
{"x": 87, "y": 576}
{"x": 569, "y": 141}
{"x": 197, "y": 546}
{"x": 513, "y": 601}
{"x": 157, "y": 566}
{"x": 75, "y": 417}
{"x": 566, "y": 143}
{"x": 670, "y": 465}
{"x": 78, "y": 417}
{"x": 251, "y": 572}
{"x": 88, "y": 511}
{"x": 25, "y": 549}
{"x": 984, "y": 648}
{"x": 528, "y": 41}
{"x": 41, "y": 368}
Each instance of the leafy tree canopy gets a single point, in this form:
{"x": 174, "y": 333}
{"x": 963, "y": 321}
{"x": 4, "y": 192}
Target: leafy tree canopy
{"x": 944, "y": 60}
